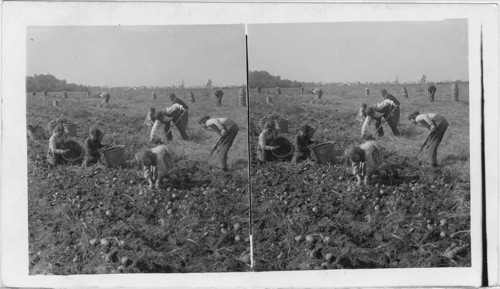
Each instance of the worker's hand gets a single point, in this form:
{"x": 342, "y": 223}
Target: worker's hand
{"x": 433, "y": 129}
{"x": 66, "y": 151}
{"x": 223, "y": 132}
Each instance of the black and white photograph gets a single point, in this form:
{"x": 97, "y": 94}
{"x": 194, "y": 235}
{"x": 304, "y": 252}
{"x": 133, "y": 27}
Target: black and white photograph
{"x": 150, "y": 144}
{"x": 137, "y": 149}
{"x": 360, "y": 145}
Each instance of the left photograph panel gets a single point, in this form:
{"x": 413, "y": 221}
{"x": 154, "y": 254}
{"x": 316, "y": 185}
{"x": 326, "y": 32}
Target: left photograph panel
{"x": 137, "y": 149}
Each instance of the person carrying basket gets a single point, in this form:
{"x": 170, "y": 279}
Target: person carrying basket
{"x": 228, "y": 130}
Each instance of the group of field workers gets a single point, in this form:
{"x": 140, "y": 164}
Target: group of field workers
{"x": 363, "y": 159}
{"x": 157, "y": 161}
{"x": 366, "y": 157}
{"x": 91, "y": 145}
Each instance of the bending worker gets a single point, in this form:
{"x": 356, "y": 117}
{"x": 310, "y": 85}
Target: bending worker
{"x": 227, "y": 129}
{"x": 180, "y": 118}
{"x": 364, "y": 160}
{"x": 437, "y": 125}
{"x": 155, "y": 163}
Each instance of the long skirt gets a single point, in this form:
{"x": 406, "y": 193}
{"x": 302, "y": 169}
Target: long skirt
{"x": 226, "y": 142}
{"x": 430, "y": 146}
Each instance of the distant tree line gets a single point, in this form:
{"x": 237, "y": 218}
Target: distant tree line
{"x": 265, "y": 80}
{"x": 39, "y": 82}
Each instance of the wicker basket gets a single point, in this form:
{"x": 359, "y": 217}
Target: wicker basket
{"x": 285, "y": 147}
{"x": 75, "y": 153}
{"x": 114, "y": 156}
{"x": 323, "y": 153}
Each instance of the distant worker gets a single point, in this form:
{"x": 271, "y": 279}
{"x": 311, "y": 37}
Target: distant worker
{"x": 92, "y": 146}
{"x": 278, "y": 90}
{"x": 319, "y": 94}
{"x": 431, "y": 88}
{"x": 88, "y": 93}
{"x": 367, "y": 91}
{"x": 227, "y": 129}
{"x": 54, "y": 153}
{"x": 150, "y": 117}
{"x": 362, "y": 113}
{"x": 154, "y": 95}
{"x": 265, "y": 138}
{"x": 191, "y": 96}
{"x": 65, "y": 94}
{"x": 363, "y": 160}
{"x": 156, "y": 164}
{"x": 258, "y": 89}
{"x": 302, "y": 142}
{"x": 34, "y": 93}
{"x": 302, "y": 89}
{"x": 106, "y": 97}
{"x": 218, "y": 95}
{"x": 437, "y": 125}
{"x": 179, "y": 115}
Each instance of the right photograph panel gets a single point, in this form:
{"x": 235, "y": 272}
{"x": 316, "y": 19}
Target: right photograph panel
{"x": 359, "y": 136}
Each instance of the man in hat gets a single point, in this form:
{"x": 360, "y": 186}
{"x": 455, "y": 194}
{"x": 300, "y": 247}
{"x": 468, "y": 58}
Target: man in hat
{"x": 437, "y": 125}
{"x": 363, "y": 160}
{"x": 301, "y": 143}
{"x": 266, "y": 137}
{"x": 227, "y": 129}
{"x": 218, "y": 95}
{"x": 54, "y": 153}
{"x": 175, "y": 99}
{"x": 431, "y": 88}
{"x": 92, "y": 146}
{"x": 156, "y": 164}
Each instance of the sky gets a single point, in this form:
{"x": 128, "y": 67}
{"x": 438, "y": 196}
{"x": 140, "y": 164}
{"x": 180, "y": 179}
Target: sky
{"x": 139, "y": 55}
{"x": 361, "y": 51}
